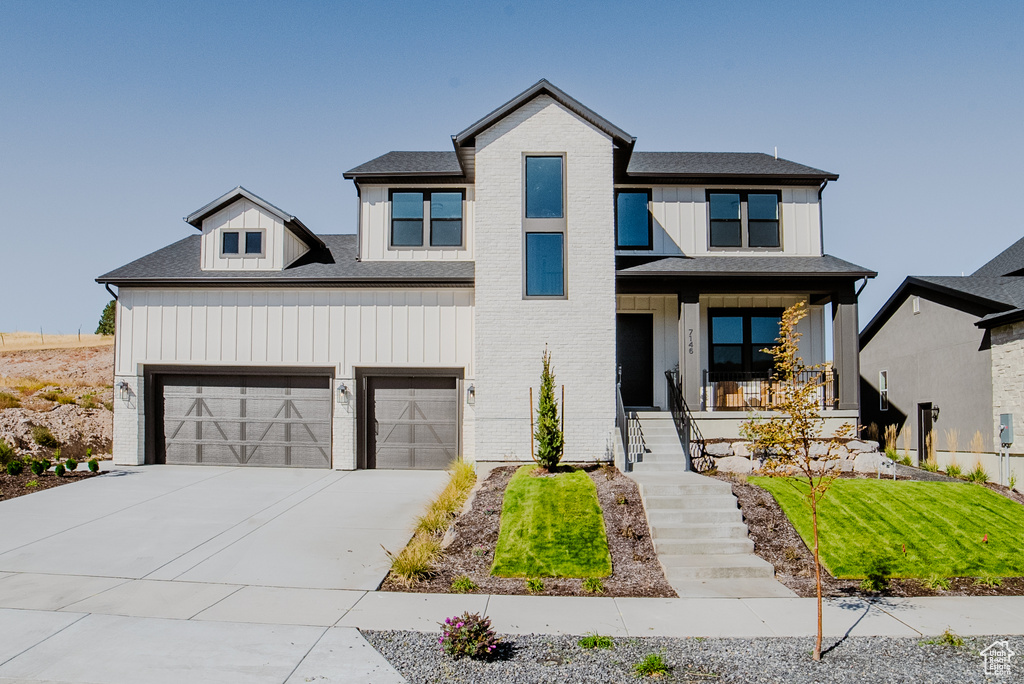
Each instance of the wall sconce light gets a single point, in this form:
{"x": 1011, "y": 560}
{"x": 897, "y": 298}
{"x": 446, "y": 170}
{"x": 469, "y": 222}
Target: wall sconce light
{"x": 342, "y": 391}
{"x": 126, "y": 390}
{"x": 471, "y": 394}
{"x": 935, "y": 413}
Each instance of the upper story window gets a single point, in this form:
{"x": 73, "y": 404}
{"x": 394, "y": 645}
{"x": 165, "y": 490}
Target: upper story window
{"x": 444, "y": 209}
{"x": 744, "y": 219}
{"x": 737, "y": 338}
{"x": 544, "y": 227}
{"x": 231, "y": 241}
{"x": 633, "y": 228}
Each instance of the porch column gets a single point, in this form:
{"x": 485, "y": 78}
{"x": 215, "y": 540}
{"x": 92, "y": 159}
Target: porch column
{"x": 846, "y": 348}
{"x": 689, "y": 348}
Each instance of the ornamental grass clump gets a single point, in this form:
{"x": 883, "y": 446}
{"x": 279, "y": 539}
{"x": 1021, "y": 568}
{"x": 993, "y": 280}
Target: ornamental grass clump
{"x": 978, "y": 474}
{"x": 468, "y": 635}
{"x": 550, "y": 439}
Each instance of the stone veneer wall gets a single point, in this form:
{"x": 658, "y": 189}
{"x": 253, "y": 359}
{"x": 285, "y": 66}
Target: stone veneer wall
{"x": 1008, "y": 380}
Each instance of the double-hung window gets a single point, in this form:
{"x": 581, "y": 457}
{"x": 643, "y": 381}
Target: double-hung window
{"x": 408, "y": 209}
{"x": 544, "y": 226}
{"x": 633, "y": 219}
{"x": 738, "y": 337}
{"x": 747, "y": 219}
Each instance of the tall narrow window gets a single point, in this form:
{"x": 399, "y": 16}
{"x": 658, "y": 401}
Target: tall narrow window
{"x": 726, "y": 228}
{"x": 762, "y": 220}
{"x": 445, "y": 219}
{"x": 545, "y": 265}
{"x": 632, "y": 219}
{"x": 407, "y": 219}
{"x": 883, "y": 390}
{"x": 544, "y": 188}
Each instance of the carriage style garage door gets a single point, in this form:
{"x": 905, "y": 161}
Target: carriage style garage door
{"x": 273, "y": 420}
{"x": 412, "y": 422}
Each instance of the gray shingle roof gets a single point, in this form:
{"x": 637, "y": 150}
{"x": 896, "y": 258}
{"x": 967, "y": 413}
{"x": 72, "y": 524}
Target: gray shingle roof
{"x": 178, "y": 264}
{"x": 1010, "y": 260}
{"x": 748, "y": 266}
{"x": 710, "y": 164}
{"x": 1008, "y": 291}
{"x": 409, "y": 163}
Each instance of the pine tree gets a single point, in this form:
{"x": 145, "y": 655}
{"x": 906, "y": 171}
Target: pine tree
{"x": 107, "y": 319}
{"x": 549, "y": 435}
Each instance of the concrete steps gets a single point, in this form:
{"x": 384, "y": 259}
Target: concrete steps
{"x": 696, "y": 525}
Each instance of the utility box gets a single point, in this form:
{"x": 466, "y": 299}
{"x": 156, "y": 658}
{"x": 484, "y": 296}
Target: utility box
{"x": 1006, "y": 429}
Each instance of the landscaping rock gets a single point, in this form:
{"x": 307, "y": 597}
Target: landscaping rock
{"x": 862, "y": 446}
{"x": 819, "y": 449}
{"x": 866, "y": 463}
{"x": 741, "y": 449}
{"x": 719, "y": 449}
{"x": 733, "y": 464}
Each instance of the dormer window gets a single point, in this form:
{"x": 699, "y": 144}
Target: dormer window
{"x": 232, "y": 241}
{"x": 744, "y": 219}
{"x": 444, "y": 209}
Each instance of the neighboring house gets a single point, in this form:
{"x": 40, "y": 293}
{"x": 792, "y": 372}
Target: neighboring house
{"x": 946, "y": 353}
{"x": 416, "y": 341}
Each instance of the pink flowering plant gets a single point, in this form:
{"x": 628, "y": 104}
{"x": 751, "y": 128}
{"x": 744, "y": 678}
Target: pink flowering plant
{"x": 468, "y": 635}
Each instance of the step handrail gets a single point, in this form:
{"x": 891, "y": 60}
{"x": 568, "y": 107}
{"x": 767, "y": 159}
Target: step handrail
{"x": 630, "y": 430}
{"x": 689, "y": 433}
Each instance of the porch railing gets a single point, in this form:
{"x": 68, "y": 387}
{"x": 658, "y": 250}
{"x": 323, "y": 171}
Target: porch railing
{"x": 751, "y": 391}
{"x": 630, "y": 430}
{"x": 690, "y": 437}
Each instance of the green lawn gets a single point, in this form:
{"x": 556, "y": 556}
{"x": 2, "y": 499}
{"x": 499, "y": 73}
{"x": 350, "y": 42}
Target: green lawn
{"x": 551, "y": 527}
{"x": 941, "y": 523}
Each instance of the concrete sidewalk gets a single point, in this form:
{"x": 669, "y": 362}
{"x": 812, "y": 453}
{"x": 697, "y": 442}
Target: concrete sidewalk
{"x": 86, "y": 629}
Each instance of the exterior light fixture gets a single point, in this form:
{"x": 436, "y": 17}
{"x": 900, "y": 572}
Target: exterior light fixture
{"x": 471, "y": 394}
{"x": 126, "y": 390}
{"x": 342, "y": 391}
{"x": 935, "y": 413}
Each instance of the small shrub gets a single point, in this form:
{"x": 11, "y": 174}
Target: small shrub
{"x": 1012, "y": 484}
{"x": 892, "y": 454}
{"x": 947, "y": 638}
{"x": 15, "y": 467}
{"x": 593, "y": 585}
{"x": 930, "y": 465}
{"x": 791, "y": 553}
{"x": 936, "y": 582}
{"x": 535, "y": 585}
{"x": 8, "y": 400}
{"x": 42, "y": 436}
{"x": 7, "y": 453}
{"x": 88, "y": 402}
{"x": 954, "y": 470}
{"x": 38, "y": 467}
{"x": 877, "y": 575}
{"x": 621, "y": 500}
{"x": 977, "y": 475}
{"x": 595, "y": 640}
{"x": 94, "y": 465}
{"x": 463, "y": 585}
{"x": 31, "y": 484}
{"x": 59, "y": 470}
{"x": 71, "y": 464}
{"x": 905, "y": 460}
{"x": 469, "y": 635}
{"x": 988, "y": 581}
{"x": 653, "y": 665}
{"x": 549, "y": 434}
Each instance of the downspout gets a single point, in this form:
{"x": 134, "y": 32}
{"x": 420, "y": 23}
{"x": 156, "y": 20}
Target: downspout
{"x": 359, "y": 220}
{"x": 861, "y": 288}
{"x": 112, "y": 293}
{"x": 821, "y": 217}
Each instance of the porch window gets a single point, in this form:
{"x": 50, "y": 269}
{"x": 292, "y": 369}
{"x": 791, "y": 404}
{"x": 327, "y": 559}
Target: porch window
{"x": 737, "y": 337}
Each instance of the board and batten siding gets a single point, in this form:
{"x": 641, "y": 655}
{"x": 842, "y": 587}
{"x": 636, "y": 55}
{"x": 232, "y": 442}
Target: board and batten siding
{"x": 341, "y": 328}
{"x": 665, "y": 314}
{"x": 280, "y": 246}
{"x": 680, "y": 222}
{"x": 375, "y": 227}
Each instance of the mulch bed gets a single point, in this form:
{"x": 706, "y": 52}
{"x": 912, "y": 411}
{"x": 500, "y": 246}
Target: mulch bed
{"x": 777, "y": 541}
{"x": 17, "y": 485}
{"x": 635, "y": 567}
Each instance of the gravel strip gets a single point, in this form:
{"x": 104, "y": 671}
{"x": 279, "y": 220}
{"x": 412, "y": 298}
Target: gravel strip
{"x": 541, "y": 658}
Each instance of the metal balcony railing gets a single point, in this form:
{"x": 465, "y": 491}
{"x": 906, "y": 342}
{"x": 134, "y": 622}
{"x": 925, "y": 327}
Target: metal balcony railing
{"x": 753, "y": 391}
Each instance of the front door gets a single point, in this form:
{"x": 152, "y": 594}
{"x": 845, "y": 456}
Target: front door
{"x": 924, "y": 431}
{"x": 634, "y": 351}
{"x": 412, "y": 422}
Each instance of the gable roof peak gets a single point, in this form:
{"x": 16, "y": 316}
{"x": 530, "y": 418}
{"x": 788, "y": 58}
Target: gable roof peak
{"x": 544, "y": 87}
{"x": 196, "y": 218}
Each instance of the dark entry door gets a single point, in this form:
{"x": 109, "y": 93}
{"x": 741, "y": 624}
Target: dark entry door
{"x": 924, "y": 431}
{"x": 412, "y": 422}
{"x": 634, "y": 351}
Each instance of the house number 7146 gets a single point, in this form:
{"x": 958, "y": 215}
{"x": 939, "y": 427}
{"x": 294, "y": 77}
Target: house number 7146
{"x": 689, "y": 344}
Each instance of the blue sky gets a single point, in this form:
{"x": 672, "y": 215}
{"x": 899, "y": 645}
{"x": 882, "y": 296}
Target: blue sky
{"x": 117, "y": 119}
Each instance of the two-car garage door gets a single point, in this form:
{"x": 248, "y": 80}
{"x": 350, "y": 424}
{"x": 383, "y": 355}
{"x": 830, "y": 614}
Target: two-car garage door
{"x": 272, "y": 420}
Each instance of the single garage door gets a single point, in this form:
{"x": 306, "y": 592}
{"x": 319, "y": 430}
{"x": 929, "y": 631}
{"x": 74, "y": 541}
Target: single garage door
{"x": 247, "y": 420}
{"x": 413, "y": 422}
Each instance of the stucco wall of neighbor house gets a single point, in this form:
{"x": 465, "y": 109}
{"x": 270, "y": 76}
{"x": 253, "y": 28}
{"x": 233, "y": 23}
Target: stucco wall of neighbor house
{"x": 1008, "y": 381}
{"x": 937, "y": 356}
{"x": 375, "y": 226}
{"x": 280, "y": 247}
{"x": 327, "y": 328}
{"x": 579, "y": 330}
{"x": 680, "y": 221}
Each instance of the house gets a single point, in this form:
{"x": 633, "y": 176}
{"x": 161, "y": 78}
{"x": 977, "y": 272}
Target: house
{"x": 414, "y": 342}
{"x": 943, "y": 359}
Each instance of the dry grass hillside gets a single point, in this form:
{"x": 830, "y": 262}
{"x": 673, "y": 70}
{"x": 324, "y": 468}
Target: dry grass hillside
{"x": 65, "y": 387}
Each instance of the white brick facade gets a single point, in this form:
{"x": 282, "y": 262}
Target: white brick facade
{"x": 510, "y": 333}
